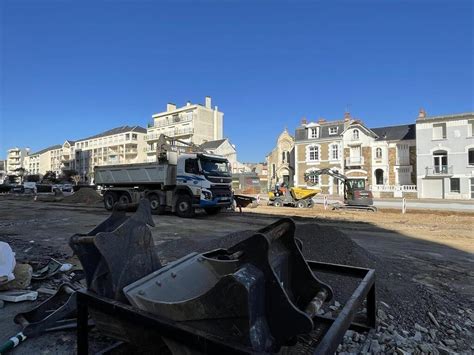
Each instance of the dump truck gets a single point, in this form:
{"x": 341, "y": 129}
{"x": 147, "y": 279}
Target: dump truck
{"x": 181, "y": 180}
{"x": 295, "y": 197}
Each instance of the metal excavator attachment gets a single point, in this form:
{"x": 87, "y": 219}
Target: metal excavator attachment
{"x": 117, "y": 252}
{"x": 260, "y": 292}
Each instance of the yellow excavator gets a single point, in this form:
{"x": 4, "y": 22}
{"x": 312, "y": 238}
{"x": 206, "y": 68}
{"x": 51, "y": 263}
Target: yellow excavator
{"x": 300, "y": 197}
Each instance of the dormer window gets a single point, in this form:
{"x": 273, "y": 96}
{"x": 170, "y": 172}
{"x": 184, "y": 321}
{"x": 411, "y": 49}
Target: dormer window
{"x": 355, "y": 134}
{"x": 313, "y": 132}
{"x": 333, "y": 130}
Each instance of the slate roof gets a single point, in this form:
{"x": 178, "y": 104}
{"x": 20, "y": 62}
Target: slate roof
{"x": 301, "y": 134}
{"x": 212, "y": 144}
{"x": 393, "y": 133}
{"x": 57, "y": 146}
{"x": 116, "y": 130}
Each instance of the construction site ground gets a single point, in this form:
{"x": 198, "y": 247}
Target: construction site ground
{"x": 423, "y": 260}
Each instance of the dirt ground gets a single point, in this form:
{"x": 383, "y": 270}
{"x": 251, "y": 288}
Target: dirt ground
{"x": 423, "y": 260}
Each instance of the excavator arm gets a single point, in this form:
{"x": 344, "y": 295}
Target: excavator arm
{"x": 325, "y": 171}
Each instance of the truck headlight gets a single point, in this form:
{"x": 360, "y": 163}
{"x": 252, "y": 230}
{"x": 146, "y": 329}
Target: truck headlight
{"x": 207, "y": 195}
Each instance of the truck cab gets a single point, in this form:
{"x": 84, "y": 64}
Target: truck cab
{"x": 207, "y": 178}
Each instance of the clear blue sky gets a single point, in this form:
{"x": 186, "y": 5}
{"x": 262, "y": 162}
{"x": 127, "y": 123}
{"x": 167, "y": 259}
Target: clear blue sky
{"x": 70, "y": 69}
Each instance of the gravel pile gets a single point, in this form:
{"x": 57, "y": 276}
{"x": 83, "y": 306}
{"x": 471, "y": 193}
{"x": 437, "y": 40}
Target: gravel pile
{"x": 85, "y": 195}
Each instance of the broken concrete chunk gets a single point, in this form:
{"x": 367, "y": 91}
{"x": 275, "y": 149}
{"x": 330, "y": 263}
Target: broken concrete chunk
{"x": 22, "y": 278}
{"x": 18, "y": 296}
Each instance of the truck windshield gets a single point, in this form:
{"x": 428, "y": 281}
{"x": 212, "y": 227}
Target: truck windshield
{"x": 215, "y": 167}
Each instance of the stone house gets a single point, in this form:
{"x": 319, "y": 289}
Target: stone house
{"x": 318, "y": 145}
{"x": 280, "y": 161}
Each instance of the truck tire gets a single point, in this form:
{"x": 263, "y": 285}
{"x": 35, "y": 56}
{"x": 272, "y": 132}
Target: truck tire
{"x": 110, "y": 198}
{"x": 278, "y": 202}
{"x": 301, "y": 204}
{"x": 184, "y": 206}
{"x": 124, "y": 199}
{"x": 155, "y": 204}
{"x": 211, "y": 211}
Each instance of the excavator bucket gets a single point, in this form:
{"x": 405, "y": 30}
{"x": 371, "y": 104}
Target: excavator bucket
{"x": 254, "y": 289}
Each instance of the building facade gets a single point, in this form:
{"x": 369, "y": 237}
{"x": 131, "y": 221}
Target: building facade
{"x": 16, "y": 158}
{"x": 3, "y": 170}
{"x": 191, "y": 123}
{"x": 48, "y": 159}
{"x": 121, "y": 145}
{"x": 280, "y": 161}
{"x": 445, "y": 156}
{"x": 318, "y": 145}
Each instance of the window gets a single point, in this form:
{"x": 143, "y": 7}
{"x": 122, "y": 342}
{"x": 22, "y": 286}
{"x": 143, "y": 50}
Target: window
{"x": 127, "y": 136}
{"x": 471, "y": 156}
{"x": 191, "y": 166}
{"x": 313, "y": 132}
{"x": 378, "y": 153}
{"x": 312, "y": 180}
{"x": 333, "y": 130}
{"x": 334, "y": 152}
{"x": 455, "y": 185}
{"x": 273, "y": 171}
{"x": 470, "y": 128}
{"x": 313, "y": 153}
{"x": 134, "y": 137}
{"x": 355, "y": 134}
{"x": 439, "y": 131}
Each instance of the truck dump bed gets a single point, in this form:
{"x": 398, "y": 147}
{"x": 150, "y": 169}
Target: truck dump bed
{"x": 136, "y": 174}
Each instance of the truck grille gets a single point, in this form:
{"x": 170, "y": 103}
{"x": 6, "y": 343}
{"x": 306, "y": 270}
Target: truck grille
{"x": 221, "y": 191}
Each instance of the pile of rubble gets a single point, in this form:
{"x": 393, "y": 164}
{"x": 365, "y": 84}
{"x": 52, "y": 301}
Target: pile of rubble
{"x": 448, "y": 334}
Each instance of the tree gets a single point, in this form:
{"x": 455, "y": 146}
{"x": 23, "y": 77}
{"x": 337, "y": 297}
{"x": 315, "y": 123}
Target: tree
{"x": 50, "y": 178}
{"x": 76, "y": 179}
{"x": 32, "y": 178}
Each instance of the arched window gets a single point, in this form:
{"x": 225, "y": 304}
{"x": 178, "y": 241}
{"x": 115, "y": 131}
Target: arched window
{"x": 378, "y": 153}
{"x": 355, "y": 134}
{"x": 313, "y": 153}
{"x": 379, "y": 177}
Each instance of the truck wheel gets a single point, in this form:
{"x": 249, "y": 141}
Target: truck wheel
{"x": 124, "y": 199}
{"x": 301, "y": 204}
{"x": 184, "y": 206}
{"x": 278, "y": 202}
{"x": 110, "y": 198}
{"x": 155, "y": 204}
{"x": 211, "y": 211}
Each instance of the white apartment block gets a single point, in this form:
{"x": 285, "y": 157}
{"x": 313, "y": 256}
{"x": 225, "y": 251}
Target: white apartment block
{"x": 16, "y": 159}
{"x": 445, "y": 156}
{"x": 191, "y": 123}
{"x": 121, "y": 145}
{"x": 48, "y": 159}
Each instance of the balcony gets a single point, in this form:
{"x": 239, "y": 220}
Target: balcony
{"x": 175, "y": 119}
{"x": 439, "y": 170}
{"x": 171, "y": 133}
{"x": 354, "y": 161}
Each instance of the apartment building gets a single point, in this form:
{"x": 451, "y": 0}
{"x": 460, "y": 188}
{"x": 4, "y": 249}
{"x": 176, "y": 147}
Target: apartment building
{"x": 280, "y": 161}
{"x": 16, "y": 159}
{"x": 194, "y": 123}
{"x": 121, "y": 145}
{"x": 48, "y": 159}
{"x": 318, "y": 145}
{"x": 445, "y": 156}
{"x": 3, "y": 170}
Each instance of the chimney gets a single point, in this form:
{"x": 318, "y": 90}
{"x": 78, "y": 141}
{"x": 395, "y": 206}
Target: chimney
{"x": 170, "y": 107}
{"x": 322, "y": 120}
{"x": 304, "y": 122}
{"x": 208, "y": 102}
{"x": 422, "y": 113}
{"x": 347, "y": 116}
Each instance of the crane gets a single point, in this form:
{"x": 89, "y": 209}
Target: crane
{"x": 355, "y": 194}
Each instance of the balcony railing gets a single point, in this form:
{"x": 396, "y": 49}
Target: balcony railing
{"x": 172, "y": 133}
{"x": 439, "y": 170}
{"x": 176, "y": 119}
{"x": 354, "y": 161}
{"x": 391, "y": 188}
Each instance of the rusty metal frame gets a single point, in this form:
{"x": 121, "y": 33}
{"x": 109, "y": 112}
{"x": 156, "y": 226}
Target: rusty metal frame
{"x": 210, "y": 344}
